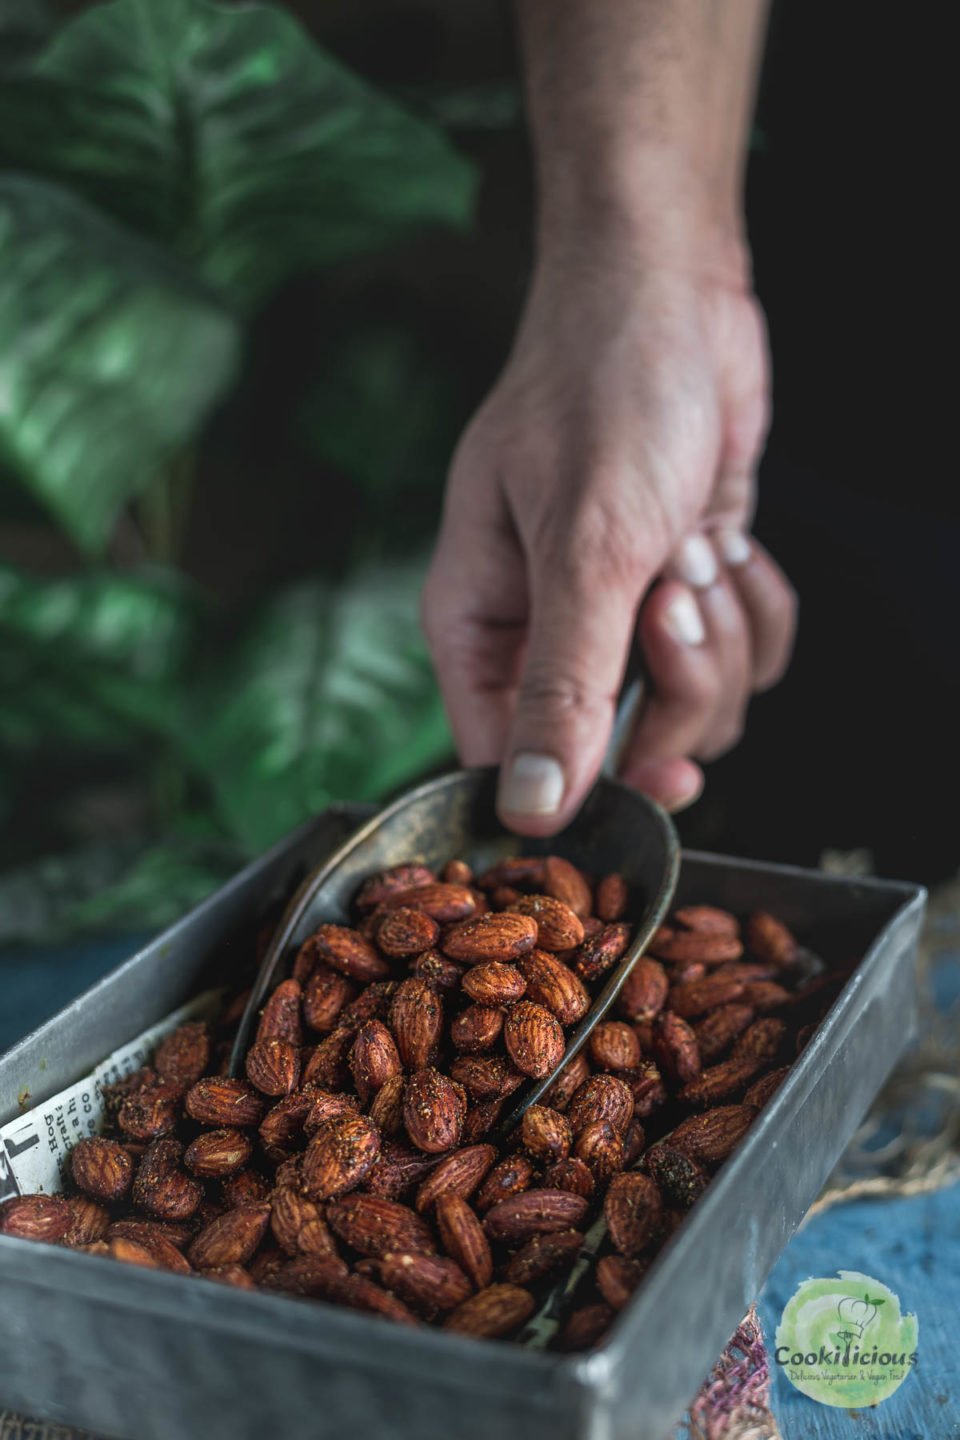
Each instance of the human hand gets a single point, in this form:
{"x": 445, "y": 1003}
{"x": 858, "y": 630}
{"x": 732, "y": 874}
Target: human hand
{"x": 616, "y": 453}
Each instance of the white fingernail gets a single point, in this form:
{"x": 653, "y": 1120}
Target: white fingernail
{"x": 695, "y": 562}
{"x": 683, "y": 619}
{"x": 734, "y": 547}
{"x": 531, "y": 785}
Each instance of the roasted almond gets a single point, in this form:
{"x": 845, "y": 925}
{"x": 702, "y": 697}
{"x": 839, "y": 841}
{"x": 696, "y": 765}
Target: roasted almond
{"x": 346, "y": 950}
{"x": 374, "y": 1059}
{"x": 326, "y": 993}
{"x": 695, "y": 997}
{"x": 613, "y": 1045}
{"x": 510, "y": 1176}
{"x": 386, "y": 1107}
{"x": 617, "y": 1278}
{"x": 600, "y": 1147}
{"x": 462, "y": 1237}
{"x": 273, "y": 1066}
{"x": 246, "y": 1187}
{"x": 585, "y": 1326}
{"x": 434, "y": 1107}
{"x": 486, "y": 1077}
{"x": 570, "y": 1174}
{"x": 492, "y": 1313}
{"x": 521, "y": 871}
{"x": 760, "y": 1042}
{"x": 533, "y": 1038}
{"x": 231, "y": 1239}
{"x": 632, "y": 1209}
{"x": 766, "y": 995}
{"x": 645, "y": 1084}
{"x": 553, "y": 984}
{"x": 496, "y": 936}
{"x": 161, "y": 1188}
{"x": 441, "y": 974}
{"x": 761, "y": 1090}
{"x": 280, "y": 1018}
{"x": 558, "y": 927}
{"x": 405, "y": 932}
{"x": 705, "y": 947}
{"x": 218, "y": 1153}
{"x": 182, "y": 1057}
{"x": 542, "y": 1255}
{"x": 398, "y": 1168}
{"x": 545, "y": 1134}
{"x": 535, "y": 1212}
{"x": 456, "y": 1174}
{"x": 416, "y": 1019}
{"x": 101, "y": 1168}
{"x": 379, "y": 888}
{"x": 477, "y": 1029}
{"x": 708, "y": 920}
{"x": 494, "y": 983}
{"x": 436, "y": 899}
{"x": 563, "y": 881}
{"x": 675, "y": 1049}
{"x": 283, "y": 1124}
{"x": 328, "y": 1066}
{"x": 324, "y": 1105}
{"x": 298, "y": 1223}
{"x": 457, "y": 872}
{"x": 339, "y": 1156}
{"x": 645, "y": 992}
{"x": 233, "y": 1275}
{"x": 46, "y": 1218}
{"x": 599, "y": 953}
{"x": 769, "y": 939}
{"x": 150, "y": 1111}
{"x": 567, "y": 1083}
{"x": 430, "y": 1282}
{"x": 89, "y": 1222}
{"x": 711, "y": 1137}
{"x": 719, "y": 1028}
{"x": 612, "y": 897}
{"x": 602, "y": 1097}
{"x": 374, "y": 1226}
{"x": 680, "y": 1178}
{"x": 224, "y": 1102}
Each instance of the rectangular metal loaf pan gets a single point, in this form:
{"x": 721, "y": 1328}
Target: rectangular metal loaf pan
{"x": 150, "y": 1356}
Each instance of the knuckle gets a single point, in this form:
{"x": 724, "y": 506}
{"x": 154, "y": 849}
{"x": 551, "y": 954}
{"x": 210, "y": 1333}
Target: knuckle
{"x": 561, "y": 692}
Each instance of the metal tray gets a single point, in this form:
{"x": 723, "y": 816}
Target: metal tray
{"x": 148, "y": 1356}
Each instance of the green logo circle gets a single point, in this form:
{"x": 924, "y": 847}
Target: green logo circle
{"x": 844, "y": 1342}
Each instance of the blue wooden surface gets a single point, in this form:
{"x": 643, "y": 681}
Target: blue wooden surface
{"x": 912, "y": 1245}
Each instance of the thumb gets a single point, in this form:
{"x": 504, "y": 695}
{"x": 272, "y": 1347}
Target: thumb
{"x": 581, "y": 629}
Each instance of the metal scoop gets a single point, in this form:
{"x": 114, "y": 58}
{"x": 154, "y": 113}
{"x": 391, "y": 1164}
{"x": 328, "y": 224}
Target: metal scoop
{"x": 455, "y": 817}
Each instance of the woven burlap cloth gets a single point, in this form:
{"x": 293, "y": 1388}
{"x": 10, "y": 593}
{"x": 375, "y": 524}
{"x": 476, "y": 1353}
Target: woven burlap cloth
{"x": 909, "y": 1144}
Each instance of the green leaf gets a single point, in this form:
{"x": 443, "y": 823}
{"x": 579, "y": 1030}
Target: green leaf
{"x": 230, "y": 135}
{"x": 93, "y": 659}
{"x": 112, "y": 886}
{"x": 328, "y": 696}
{"x": 387, "y": 414}
{"x": 110, "y": 357}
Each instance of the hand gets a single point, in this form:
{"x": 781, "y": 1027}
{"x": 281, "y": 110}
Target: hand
{"x": 619, "y": 446}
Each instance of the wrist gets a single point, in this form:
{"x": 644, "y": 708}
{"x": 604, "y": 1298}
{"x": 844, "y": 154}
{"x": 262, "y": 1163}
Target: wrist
{"x": 653, "y": 207}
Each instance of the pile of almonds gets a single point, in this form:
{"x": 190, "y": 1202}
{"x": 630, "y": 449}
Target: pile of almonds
{"x": 360, "y": 1161}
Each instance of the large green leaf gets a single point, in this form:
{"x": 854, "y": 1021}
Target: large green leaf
{"x": 328, "y": 696}
{"x": 110, "y": 356}
{"x": 91, "y": 660}
{"x": 229, "y": 134}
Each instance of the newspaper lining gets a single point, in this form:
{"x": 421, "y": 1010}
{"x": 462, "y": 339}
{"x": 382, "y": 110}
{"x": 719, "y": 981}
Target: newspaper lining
{"x": 34, "y": 1147}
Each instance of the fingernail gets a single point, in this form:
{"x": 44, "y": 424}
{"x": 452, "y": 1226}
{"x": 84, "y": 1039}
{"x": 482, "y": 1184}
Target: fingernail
{"x": 683, "y": 620}
{"x": 734, "y": 547}
{"x": 695, "y": 562}
{"x": 682, "y": 801}
{"x": 531, "y": 785}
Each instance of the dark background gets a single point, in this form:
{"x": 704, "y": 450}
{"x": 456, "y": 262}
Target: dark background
{"x": 857, "y": 746}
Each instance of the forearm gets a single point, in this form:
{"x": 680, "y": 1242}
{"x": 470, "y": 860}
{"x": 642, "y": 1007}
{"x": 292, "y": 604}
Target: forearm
{"x": 639, "y": 114}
